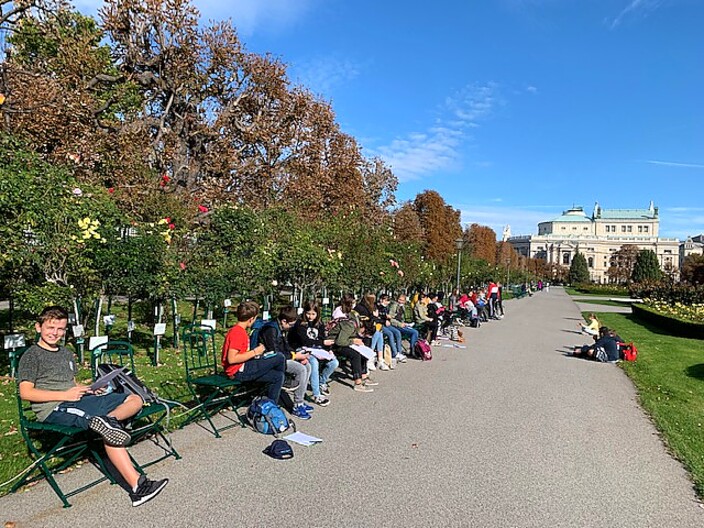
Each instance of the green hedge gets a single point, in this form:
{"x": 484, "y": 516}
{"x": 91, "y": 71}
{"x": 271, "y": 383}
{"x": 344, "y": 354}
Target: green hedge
{"x": 598, "y": 289}
{"x": 674, "y": 326}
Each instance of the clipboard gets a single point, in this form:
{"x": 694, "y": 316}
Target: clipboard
{"x": 102, "y": 381}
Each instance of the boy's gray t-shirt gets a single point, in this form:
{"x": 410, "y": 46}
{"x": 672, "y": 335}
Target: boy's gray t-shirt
{"x": 48, "y": 370}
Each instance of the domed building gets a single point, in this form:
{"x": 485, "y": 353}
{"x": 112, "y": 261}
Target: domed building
{"x": 598, "y": 237}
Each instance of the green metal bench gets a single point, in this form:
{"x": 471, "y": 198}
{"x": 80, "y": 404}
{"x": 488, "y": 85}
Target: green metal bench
{"x": 55, "y": 448}
{"x": 148, "y": 423}
{"x": 212, "y": 390}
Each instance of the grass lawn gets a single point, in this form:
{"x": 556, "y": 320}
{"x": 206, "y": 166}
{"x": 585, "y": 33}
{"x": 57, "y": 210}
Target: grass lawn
{"x": 669, "y": 377}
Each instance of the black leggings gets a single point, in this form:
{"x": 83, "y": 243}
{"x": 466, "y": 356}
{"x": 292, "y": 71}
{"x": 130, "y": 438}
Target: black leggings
{"x": 359, "y": 363}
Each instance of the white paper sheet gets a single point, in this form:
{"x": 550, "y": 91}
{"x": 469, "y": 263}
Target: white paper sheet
{"x": 367, "y": 352}
{"x": 303, "y": 439}
{"x": 319, "y": 353}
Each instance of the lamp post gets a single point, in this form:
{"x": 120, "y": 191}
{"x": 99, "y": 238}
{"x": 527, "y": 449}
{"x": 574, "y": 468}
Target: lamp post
{"x": 459, "y": 243}
{"x": 508, "y": 272}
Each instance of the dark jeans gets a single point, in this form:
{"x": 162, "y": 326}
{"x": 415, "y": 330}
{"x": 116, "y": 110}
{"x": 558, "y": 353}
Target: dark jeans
{"x": 269, "y": 371}
{"x": 359, "y": 364}
{"x": 78, "y": 413}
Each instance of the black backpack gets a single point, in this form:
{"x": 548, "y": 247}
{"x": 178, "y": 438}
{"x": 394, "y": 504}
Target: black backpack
{"x": 126, "y": 381}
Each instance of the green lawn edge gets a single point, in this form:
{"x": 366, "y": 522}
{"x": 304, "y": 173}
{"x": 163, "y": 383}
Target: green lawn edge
{"x": 669, "y": 379}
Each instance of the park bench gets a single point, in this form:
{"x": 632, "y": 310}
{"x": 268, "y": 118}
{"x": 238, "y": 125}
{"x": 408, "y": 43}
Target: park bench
{"x": 149, "y": 422}
{"x": 212, "y": 390}
{"x": 54, "y": 448}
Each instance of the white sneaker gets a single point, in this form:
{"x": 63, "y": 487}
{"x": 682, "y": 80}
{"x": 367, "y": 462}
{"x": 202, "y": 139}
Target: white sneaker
{"x": 383, "y": 366}
{"x": 371, "y": 365}
{"x": 401, "y": 358}
{"x": 393, "y": 363}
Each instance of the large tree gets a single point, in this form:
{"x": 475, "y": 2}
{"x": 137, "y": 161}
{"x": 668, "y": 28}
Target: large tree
{"x": 579, "y": 272}
{"x": 482, "y": 243}
{"x": 693, "y": 269}
{"x": 622, "y": 262}
{"x": 646, "y": 267}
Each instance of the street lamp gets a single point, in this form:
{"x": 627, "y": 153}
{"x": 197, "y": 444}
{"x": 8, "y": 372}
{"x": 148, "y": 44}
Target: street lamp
{"x": 508, "y": 272}
{"x": 459, "y": 243}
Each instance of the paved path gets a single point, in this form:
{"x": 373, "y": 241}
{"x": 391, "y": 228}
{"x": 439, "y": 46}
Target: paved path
{"x": 506, "y": 433}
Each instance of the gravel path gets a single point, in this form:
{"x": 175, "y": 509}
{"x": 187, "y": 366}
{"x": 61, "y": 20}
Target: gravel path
{"x": 508, "y": 432}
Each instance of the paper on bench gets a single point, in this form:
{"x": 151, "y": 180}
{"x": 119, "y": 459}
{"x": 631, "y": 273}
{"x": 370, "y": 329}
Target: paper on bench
{"x": 303, "y": 439}
{"x": 319, "y": 353}
{"x": 367, "y": 352}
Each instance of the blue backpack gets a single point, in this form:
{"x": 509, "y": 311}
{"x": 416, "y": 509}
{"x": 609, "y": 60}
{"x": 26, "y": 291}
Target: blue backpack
{"x": 267, "y": 417}
{"x": 256, "y": 329}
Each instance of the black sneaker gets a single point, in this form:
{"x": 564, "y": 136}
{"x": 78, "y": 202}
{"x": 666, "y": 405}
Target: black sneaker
{"x": 147, "y": 490}
{"x": 324, "y": 389}
{"x": 110, "y": 429}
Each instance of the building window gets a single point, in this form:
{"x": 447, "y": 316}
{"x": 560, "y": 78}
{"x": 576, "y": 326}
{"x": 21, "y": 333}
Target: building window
{"x": 590, "y": 262}
{"x": 623, "y": 229}
{"x": 645, "y": 229}
{"x": 613, "y": 228}
{"x": 640, "y": 229}
{"x": 608, "y": 229}
{"x": 630, "y": 229}
{"x": 586, "y": 229}
{"x": 565, "y": 258}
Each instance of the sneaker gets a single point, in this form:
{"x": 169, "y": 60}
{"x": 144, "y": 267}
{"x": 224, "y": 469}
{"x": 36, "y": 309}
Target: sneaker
{"x": 361, "y": 387}
{"x": 147, "y": 490}
{"x": 370, "y": 382}
{"x": 110, "y": 429}
{"x": 307, "y": 407}
{"x": 321, "y": 400}
{"x": 324, "y": 389}
{"x": 290, "y": 388}
{"x": 401, "y": 358}
{"x": 383, "y": 366}
{"x": 393, "y": 363}
{"x": 299, "y": 411}
{"x": 371, "y": 365}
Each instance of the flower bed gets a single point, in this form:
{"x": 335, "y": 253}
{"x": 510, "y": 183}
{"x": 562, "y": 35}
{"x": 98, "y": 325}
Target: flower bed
{"x": 677, "y": 319}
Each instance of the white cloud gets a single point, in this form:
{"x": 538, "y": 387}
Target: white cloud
{"x": 419, "y": 154}
{"x": 523, "y": 220}
{"x": 323, "y": 74}
{"x": 250, "y": 16}
{"x": 532, "y": 89}
{"x": 676, "y": 164}
{"x": 634, "y": 7}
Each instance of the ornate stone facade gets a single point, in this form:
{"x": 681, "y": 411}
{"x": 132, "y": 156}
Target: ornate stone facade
{"x": 598, "y": 237}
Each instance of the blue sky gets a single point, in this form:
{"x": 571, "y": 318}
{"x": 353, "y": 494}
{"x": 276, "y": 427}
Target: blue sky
{"x": 513, "y": 110}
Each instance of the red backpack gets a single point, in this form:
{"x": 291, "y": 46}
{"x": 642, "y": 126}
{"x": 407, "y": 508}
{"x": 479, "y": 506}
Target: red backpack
{"x": 423, "y": 350}
{"x": 629, "y": 352}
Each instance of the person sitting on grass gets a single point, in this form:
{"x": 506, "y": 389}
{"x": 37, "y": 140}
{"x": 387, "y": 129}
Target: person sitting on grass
{"x": 309, "y": 332}
{"x": 592, "y": 328}
{"x": 247, "y": 365}
{"x": 297, "y": 365}
{"x": 604, "y": 349}
{"x": 46, "y": 374}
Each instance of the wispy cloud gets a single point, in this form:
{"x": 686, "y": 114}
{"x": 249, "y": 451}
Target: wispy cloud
{"x": 323, "y": 74}
{"x": 532, "y": 89}
{"x": 681, "y": 222}
{"x": 250, "y": 16}
{"x": 419, "y": 154}
{"x": 523, "y": 220}
{"x": 634, "y": 7}
{"x": 676, "y": 164}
